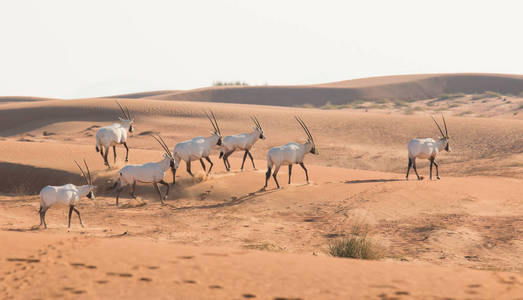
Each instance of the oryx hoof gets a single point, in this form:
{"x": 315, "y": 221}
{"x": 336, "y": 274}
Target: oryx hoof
{"x": 126, "y": 160}
{"x": 437, "y": 177}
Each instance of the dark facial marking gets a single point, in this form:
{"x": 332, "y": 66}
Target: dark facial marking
{"x": 131, "y": 129}
{"x": 447, "y": 147}
{"x": 90, "y": 195}
{"x": 171, "y": 163}
{"x": 261, "y": 136}
{"x": 219, "y": 142}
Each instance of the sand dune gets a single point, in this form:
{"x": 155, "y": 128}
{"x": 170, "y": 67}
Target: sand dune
{"x": 8, "y": 99}
{"x": 82, "y": 267}
{"x": 404, "y": 87}
{"x": 348, "y": 139}
{"x": 220, "y": 236}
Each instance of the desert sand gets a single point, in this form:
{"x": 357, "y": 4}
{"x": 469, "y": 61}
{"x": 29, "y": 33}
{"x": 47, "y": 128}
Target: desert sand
{"x": 221, "y": 236}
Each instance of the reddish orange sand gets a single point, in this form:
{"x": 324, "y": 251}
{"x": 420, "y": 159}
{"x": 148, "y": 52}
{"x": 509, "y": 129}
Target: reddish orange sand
{"x": 221, "y": 237}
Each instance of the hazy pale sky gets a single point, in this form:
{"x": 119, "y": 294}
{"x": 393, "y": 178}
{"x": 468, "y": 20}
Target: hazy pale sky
{"x": 95, "y": 48}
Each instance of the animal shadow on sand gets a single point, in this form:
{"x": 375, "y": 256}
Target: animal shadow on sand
{"x": 234, "y": 201}
{"x": 372, "y": 180}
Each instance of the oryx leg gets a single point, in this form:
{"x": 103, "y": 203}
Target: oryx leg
{"x": 306, "y": 173}
{"x": 203, "y": 165}
{"x": 127, "y": 151}
{"x": 188, "y": 163}
{"x": 70, "y": 213}
{"x": 408, "y": 169}
{"x": 244, "y": 157}
{"x": 174, "y": 176}
{"x": 102, "y": 152}
{"x": 106, "y": 162}
{"x": 209, "y": 160}
{"x": 252, "y": 160}
{"x": 114, "y": 152}
{"x": 267, "y": 176}
{"x": 226, "y": 160}
{"x": 158, "y": 190}
{"x": 78, "y": 213}
{"x": 274, "y": 174}
{"x": 167, "y": 192}
{"x": 118, "y": 191}
{"x": 430, "y": 168}
{"x": 414, "y": 167}
{"x": 42, "y": 216}
{"x": 437, "y": 170}
{"x": 133, "y": 189}
{"x": 40, "y": 213}
{"x": 290, "y": 171}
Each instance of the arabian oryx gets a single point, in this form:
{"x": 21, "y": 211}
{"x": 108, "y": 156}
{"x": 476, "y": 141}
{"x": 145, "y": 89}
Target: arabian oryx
{"x": 198, "y": 148}
{"x": 289, "y": 154}
{"x": 68, "y": 194}
{"x": 243, "y": 141}
{"x": 112, "y": 135}
{"x": 152, "y": 172}
{"x": 428, "y": 149}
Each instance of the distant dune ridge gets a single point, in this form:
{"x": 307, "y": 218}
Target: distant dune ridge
{"x": 404, "y": 87}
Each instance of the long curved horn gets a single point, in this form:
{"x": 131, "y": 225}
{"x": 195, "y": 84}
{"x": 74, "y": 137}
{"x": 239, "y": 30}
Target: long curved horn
{"x": 305, "y": 128}
{"x": 438, "y": 126}
{"x": 212, "y": 122}
{"x": 162, "y": 143}
{"x": 216, "y": 122}
{"x": 302, "y": 126}
{"x": 123, "y": 111}
{"x": 128, "y": 113}
{"x": 81, "y": 170}
{"x": 88, "y": 173}
{"x": 258, "y": 122}
{"x": 445, "y": 123}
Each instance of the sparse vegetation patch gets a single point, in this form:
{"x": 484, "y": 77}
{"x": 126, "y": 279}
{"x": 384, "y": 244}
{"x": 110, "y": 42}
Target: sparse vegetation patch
{"x": 355, "y": 245}
{"x": 229, "y": 83}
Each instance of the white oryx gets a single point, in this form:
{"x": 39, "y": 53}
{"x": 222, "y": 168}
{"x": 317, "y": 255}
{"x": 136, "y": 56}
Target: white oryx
{"x": 151, "y": 172}
{"x": 428, "y": 149}
{"x": 68, "y": 194}
{"x": 112, "y": 135}
{"x": 289, "y": 154}
{"x": 198, "y": 148}
{"x": 243, "y": 141}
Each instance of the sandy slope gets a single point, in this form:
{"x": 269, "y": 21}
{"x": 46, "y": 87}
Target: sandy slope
{"x": 471, "y": 218}
{"x": 405, "y": 87}
{"x": 347, "y": 139}
{"x": 86, "y": 268}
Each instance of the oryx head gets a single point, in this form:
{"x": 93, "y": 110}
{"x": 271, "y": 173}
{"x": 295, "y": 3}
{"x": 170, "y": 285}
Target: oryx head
{"x": 88, "y": 180}
{"x": 445, "y": 136}
{"x": 258, "y": 127}
{"x": 217, "y": 132}
{"x": 167, "y": 154}
{"x": 310, "y": 139}
{"x": 126, "y": 119}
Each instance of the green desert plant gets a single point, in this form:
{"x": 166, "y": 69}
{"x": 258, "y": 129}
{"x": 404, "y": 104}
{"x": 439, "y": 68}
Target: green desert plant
{"x": 356, "y": 245}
